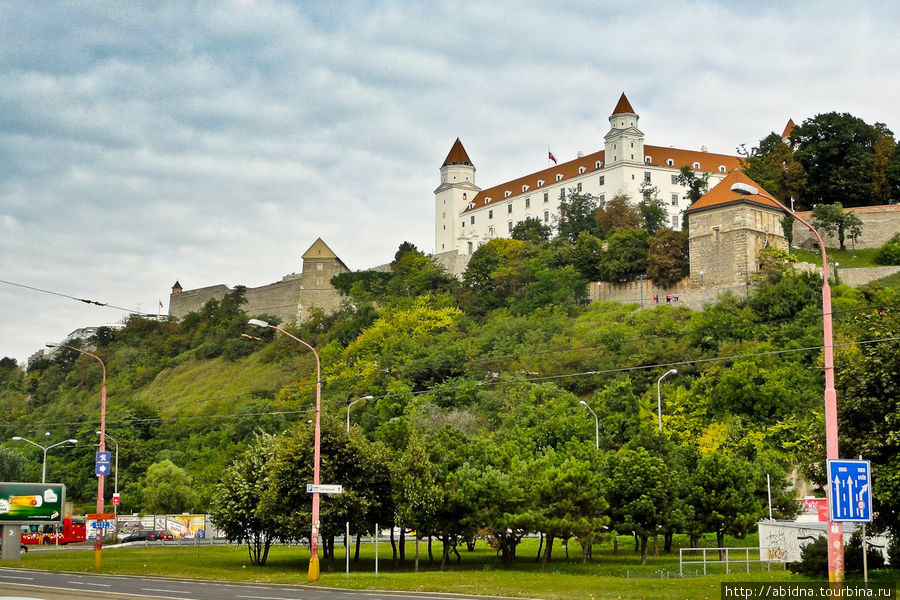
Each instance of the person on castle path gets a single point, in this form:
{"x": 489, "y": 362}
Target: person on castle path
{"x": 675, "y": 298}
{"x": 668, "y": 297}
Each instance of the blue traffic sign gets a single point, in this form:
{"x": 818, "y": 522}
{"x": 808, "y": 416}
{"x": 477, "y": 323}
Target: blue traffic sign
{"x": 102, "y": 465}
{"x": 850, "y": 484}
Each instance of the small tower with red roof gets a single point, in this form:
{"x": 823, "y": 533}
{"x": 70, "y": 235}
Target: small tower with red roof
{"x": 452, "y": 196}
{"x": 625, "y": 142}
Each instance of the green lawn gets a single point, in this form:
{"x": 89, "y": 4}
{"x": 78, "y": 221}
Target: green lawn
{"x": 847, "y": 259}
{"x": 610, "y": 576}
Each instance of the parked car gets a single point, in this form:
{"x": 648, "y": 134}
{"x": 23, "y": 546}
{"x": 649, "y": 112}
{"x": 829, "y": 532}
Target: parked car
{"x": 147, "y": 535}
{"x": 166, "y": 536}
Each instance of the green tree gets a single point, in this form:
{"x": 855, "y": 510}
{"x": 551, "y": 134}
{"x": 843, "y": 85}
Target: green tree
{"x": 724, "y": 497}
{"x": 415, "y": 491}
{"x": 836, "y": 151}
{"x": 771, "y": 164}
{"x": 237, "y": 510}
{"x": 531, "y": 230}
{"x": 167, "y": 489}
{"x": 626, "y": 255}
{"x": 12, "y": 465}
{"x": 577, "y": 213}
{"x": 652, "y": 209}
{"x": 697, "y": 185}
{"x": 833, "y": 219}
{"x": 668, "y": 261}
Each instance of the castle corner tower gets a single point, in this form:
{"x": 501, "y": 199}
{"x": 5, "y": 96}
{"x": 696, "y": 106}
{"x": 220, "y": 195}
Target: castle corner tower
{"x": 625, "y": 142}
{"x": 452, "y": 196}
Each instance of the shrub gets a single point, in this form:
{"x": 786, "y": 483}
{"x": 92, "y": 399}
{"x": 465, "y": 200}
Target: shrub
{"x": 888, "y": 254}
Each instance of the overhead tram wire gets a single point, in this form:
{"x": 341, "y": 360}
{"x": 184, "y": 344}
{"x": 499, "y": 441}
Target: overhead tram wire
{"x": 488, "y": 383}
{"x": 76, "y": 298}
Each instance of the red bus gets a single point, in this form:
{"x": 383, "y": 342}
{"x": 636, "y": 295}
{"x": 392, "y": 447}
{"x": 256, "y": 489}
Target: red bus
{"x": 73, "y": 530}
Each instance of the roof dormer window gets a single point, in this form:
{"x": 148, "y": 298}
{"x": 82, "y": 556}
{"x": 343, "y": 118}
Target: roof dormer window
{"x": 670, "y": 162}
{"x": 540, "y": 183}
{"x": 487, "y": 200}
{"x": 524, "y": 188}
{"x": 696, "y": 165}
{"x": 581, "y": 170}
{"x": 598, "y": 164}
{"x": 559, "y": 176}
{"x": 648, "y": 160}
{"x": 507, "y": 194}
{"x": 721, "y": 168}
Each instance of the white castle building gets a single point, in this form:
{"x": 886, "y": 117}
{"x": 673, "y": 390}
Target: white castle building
{"x": 466, "y": 216}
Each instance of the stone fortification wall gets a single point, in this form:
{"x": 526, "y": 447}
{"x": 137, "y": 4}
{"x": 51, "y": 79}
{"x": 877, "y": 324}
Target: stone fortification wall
{"x": 455, "y": 262}
{"x": 852, "y": 277}
{"x": 879, "y": 224}
{"x": 182, "y": 303}
{"x": 279, "y": 299}
{"x": 689, "y": 293}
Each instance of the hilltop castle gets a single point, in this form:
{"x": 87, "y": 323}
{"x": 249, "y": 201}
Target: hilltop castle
{"x": 466, "y": 216}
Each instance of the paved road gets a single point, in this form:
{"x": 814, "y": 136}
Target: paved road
{"x": 45, "y": 585}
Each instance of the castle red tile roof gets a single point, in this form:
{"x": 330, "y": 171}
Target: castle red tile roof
{"x": 659, "y": 156}
{"x": 788, "y": 129}
{"x": 623, "y": 106}
{"x": 721, "y": 194}
{"x": 457, "y": 155}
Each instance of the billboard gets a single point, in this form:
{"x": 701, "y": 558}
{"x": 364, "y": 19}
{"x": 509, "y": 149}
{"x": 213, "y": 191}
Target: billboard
{"x": 31, "y": 502}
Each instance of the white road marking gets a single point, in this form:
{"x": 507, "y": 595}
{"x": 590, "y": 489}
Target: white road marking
{"x": 266, "y": 597}
{"x": 166, "y": 591}
{"x": 16, "y": 577}
{"x": 89, "y": 583}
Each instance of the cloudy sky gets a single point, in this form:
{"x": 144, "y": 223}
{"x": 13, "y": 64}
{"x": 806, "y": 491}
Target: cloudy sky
{"x": 212, "y": 142}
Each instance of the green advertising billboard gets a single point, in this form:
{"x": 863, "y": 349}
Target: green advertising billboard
{"x": 31, "y": 502}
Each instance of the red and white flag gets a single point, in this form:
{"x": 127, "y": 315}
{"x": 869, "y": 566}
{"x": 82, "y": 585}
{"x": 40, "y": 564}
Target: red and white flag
{"x": 551, "y": 157}
{"x": 160, "y": 305}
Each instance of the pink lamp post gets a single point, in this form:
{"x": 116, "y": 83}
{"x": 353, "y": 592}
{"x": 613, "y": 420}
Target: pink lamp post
{"x": 313, "y": 574}
{"x": 835, "y": 529}
{"x": 98, "y": 539}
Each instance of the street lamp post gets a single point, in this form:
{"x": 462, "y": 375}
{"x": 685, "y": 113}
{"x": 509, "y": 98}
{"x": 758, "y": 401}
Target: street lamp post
{"x": 835, "y": 529}
{"x": 115, "y": 488}
{"x": 659, "y": 395}
{"x": 596, "y": 425}
{"x": 44, "y": 448}
{"x": 313, "y": 574}
{"x": 98, "y": 539}
{"x": 351, "y": 404}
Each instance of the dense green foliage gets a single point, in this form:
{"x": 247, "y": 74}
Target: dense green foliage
{"x": 476, "y": 426}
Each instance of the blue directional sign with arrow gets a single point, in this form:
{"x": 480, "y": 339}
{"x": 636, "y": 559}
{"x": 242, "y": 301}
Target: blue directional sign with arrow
{"x": 850, "y": 483}
{"x": 102, "y": 465}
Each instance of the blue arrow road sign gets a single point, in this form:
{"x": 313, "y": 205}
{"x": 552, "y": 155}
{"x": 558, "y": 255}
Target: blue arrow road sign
{"x": 850, "y": 483}
{"x": 102, "y": 466}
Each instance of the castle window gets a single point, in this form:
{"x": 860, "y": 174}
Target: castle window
{"x": 540, "y": 183}
{"x": 632, "y": 157}
{"x": 507, "y": 194}
{"x": 527, "y": 202}
{"x": 445, "y": 229}
{"x": 318, "y": 281}
{"x": 632, "y": 144}
{"x": 546, "y": 216}
{"x": 464, "y": 196}
{"x": 674, "y": 199}
{"x": 602, "y": 179}
{"x": 562, "y": 193}
{"x": 487, "y": 201}
{"x": 490, "y": 214}
{"x": 675, "y": 179}
{"x": 674, "y": 221}
{"x": 581, "y": 170}
{"x": 614, "y": 146}
{"x": 472, "y": 219}
{"x": 646, "y": 175}
{"x": 559, "y": 176}
{"x": 598, "y": 164}
{"x": 509, "y": 207}
{"x": 319, "y": 266}
{"x": 546, "y": 196}
{"x": 647, "y": 160}
{"x": 491, "y": 231}
{"x": 579, "y": 186}
{"x": 716, "y": 232}
{"x": 696, "y": 165}
{"x": 470, "y": 247}
{"x": 721, "y": 168}
{"x": 670, "y": 162}
{"x": 463, "y": 223}
{"x": 510, "y": 225}
{"x": 601, "y": 198}
{"x": 524, "y": 188}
